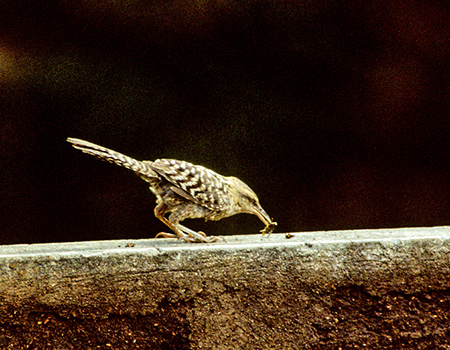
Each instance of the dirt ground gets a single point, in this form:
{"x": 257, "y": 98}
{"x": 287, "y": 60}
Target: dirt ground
{"x": 347, "y": 318}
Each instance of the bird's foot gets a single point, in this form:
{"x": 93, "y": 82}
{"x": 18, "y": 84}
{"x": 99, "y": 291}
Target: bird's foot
{"x": 166, "y": 235}
{"x": 191, "y": 237}
{"x": 198, "y": 238}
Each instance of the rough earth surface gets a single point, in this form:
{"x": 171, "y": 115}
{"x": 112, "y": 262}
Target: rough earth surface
{"x": 385, "y": 289}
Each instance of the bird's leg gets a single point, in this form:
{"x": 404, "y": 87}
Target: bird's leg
{"x": 197, "y": 236}
{"x": 181, "y": 232}
{"x": 160, "y": 210}
{"x": 191, "y": 236}
{"x": 191, "y": 232}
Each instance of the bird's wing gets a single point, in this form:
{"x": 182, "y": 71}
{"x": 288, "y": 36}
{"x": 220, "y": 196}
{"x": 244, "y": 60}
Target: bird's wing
{"x": 194, "y": 182}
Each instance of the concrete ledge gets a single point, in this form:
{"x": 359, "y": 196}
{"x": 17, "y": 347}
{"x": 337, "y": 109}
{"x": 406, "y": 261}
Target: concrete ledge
{"x": 320, "y": 290}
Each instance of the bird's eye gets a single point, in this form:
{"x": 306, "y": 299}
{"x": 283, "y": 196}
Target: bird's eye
{"x": 251, "y": 200}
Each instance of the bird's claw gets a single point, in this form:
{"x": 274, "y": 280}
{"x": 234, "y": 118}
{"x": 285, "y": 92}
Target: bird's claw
{"x": 191, "y": 237}
{"x": 166, "y": 235}
{"x": 197, "y": 239}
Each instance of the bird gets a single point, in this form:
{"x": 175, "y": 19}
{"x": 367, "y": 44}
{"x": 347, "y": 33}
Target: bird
{"x": 186, "y": 191}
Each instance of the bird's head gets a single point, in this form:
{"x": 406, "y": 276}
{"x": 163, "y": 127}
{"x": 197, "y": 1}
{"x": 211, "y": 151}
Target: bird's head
{"x": 247, "y": 202}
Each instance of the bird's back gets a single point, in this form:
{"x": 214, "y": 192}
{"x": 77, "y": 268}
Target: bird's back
{"x": 194, "y": 182}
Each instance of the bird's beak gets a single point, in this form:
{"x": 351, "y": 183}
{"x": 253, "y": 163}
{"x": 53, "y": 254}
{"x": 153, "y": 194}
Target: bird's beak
{"x": 262, "y": 215}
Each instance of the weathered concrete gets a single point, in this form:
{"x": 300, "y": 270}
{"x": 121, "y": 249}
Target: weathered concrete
{"x": 382, "y": 288}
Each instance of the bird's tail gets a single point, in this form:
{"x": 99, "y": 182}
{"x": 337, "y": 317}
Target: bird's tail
{"x": 106, "y": 154}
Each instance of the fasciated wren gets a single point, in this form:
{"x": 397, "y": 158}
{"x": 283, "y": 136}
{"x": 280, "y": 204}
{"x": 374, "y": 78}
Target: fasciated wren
{"x": 186, "y": 191}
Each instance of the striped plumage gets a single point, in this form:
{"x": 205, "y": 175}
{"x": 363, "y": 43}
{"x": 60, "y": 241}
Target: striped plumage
{"x": 200, "y": 185}
{"x": 186, "y": 191}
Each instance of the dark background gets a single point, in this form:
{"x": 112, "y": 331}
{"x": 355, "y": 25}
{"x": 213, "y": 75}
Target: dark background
{"x": 336, "y": 113}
